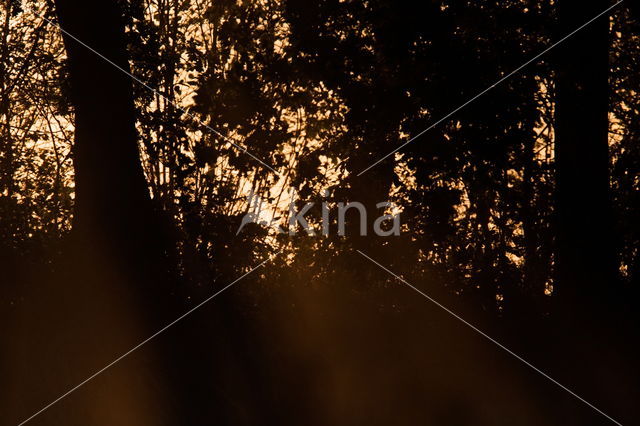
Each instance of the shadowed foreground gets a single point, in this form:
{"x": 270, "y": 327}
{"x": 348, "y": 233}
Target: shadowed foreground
{"x": 294, "y": 354}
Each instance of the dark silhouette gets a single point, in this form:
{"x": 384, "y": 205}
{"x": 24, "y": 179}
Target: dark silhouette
{"x": 586, "y": 259}
{"x": 120, "y": 205}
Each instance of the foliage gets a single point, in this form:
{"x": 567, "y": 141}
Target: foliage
{"x": 319, "y": 91}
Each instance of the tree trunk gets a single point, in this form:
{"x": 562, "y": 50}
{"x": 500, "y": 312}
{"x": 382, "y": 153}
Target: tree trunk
{"x": 103, "y": 298}
{"x": 112, "y": 199}
{"x": 117, "y": 269}
{"x": 585, "y": 260}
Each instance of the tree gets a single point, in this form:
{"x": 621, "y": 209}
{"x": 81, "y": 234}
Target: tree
{"x": 585, "y": 262}
{"x": 112, "y": 199}
{"x": 96, "y": 295}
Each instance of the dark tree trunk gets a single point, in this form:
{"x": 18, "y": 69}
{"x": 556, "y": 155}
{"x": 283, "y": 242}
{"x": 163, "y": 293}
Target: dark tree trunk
{"x": 120, "y": 243}
{"x": 585, "y": 260}
{"x": 112, "y": 200}
{"x": 107, "y": 292}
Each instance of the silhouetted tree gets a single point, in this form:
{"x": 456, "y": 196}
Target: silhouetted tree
{"x": 585, "y": 261}
{"x": 112, "y": 202}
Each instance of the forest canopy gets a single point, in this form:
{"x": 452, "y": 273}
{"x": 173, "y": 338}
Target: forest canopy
{"x": 318, "y": 92}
